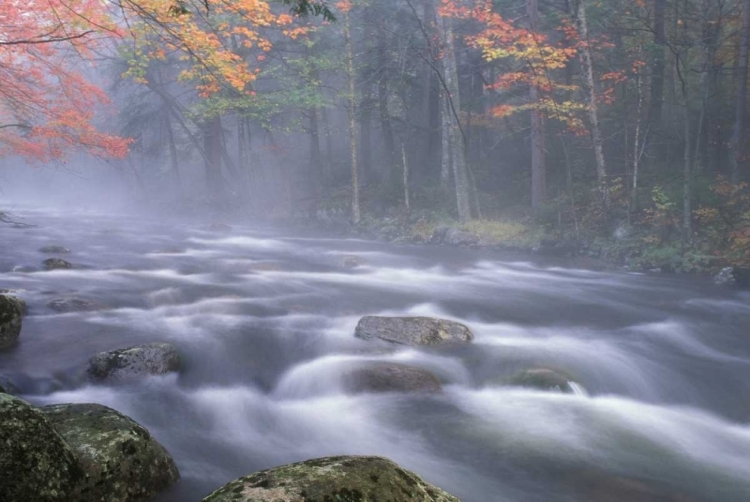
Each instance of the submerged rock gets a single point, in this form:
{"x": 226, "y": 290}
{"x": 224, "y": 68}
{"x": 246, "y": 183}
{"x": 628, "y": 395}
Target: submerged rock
{"x": 56, "y": 264}
{"x": 35, "y": 462}
{"x": 343, "y": 479}
{"x": 55, "y": 249}
{"x": 392, "y": 377}
{"x": 544, "y": 379}
{"x": 72, "y": 304}
{"x": 134, "y": 362}
{"x": 11, "y": 316}
{"x": 121, "y": 461}
{"x": 412, "y": 330}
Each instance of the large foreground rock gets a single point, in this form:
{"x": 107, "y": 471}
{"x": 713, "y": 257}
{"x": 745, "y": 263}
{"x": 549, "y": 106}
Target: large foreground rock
{"x": 134, "y": 362}
{"x": 11, "y": 315}
{"x": 392, "y": 377}
{"x": 334, "y": 479}
{"x": 35, "y": 462}
{"x": 412, "y": 330}
{"x": 121, "y": 460}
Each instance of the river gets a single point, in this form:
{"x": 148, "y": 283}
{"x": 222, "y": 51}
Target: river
{"x": 264, "y": 320}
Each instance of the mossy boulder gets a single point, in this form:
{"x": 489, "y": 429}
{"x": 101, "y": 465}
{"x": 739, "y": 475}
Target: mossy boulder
{"x": 544, "y": 379}
{"x": 54, "y": 249}
{"x": 391, "y": 377}
{"x": 333, "y": 479}
{"x": 121, "y": 461}
{"x": 134, "y": 362}
{"x": 35, "y": 462}
{"x": 56, "y": 264}
{"x": 412, "y": 330}
{"x": 11, "y": 316}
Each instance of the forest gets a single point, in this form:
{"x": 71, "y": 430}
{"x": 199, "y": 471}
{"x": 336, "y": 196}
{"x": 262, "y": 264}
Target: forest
{"x": 524, "y": 121}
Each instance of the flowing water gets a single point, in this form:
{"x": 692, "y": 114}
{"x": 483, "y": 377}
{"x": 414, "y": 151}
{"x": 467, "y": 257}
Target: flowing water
{"x": 265, "y": 321}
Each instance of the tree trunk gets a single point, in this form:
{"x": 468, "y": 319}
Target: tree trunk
{"x": 365, "y": 132}
{"x": 352, "y": 117}
{"x": 589, "y": 85}
{"x": 456, "y": 138}
{"x": 213, "y": 148}
{"x": 386, "y": 126}
{"x": 173, "y": 151}
{"x": 538, "y": 171}
{"x": 738, "y": 150}
{"x": 658, "y": 65}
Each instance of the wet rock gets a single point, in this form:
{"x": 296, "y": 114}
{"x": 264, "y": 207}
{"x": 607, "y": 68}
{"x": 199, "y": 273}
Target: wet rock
{"x": 544, "y": 379}
{"x": 725, "y": 277}
{"x": 351, "y": 261}
{"x": 456, "y": 237}
{"x": 35, "y": 462}
{"x": 19, "y": 302}
{"x": 391, "y": 377}
{"x": 412, "y": 330}
{"x": 11, "y": 316}
{"x": 56, "y": 264}
{"x": 344, "y": 479}
{"x": 54, "y": 249}
{"x": 121, "y": 461}
{"x": 72, "y": 304}
{"x": 134, "y": 362}
{"x": 7, "y": 386}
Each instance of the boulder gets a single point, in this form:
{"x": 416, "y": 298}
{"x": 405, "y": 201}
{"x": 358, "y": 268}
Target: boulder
{"x": 72, "y": 304}
{"x": 456, "y": 237}
{"x": 35, "y": 462}
{"x": 343, "y": 479}
{"x": 56, "y": 264}
{"x": 120, "y": 459}
{"x": 544, "y": 379}
{"x": 725, "y": 277}
{"x": 134, "y": 362}
{"x": 392, "y": 377}
{"x": 438, "y": 235}
{"x": 6, "y": 386}
{"x": 54, "y": 249}
{"x": 11, "y": 316}
{"x": 412, "y": 330}
{"x": 20, "y": 302}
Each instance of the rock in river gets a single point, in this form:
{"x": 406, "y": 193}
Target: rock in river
{"x": 54, "y": 249}
{"x": 343, "y": 479}
{"x": 392, "y": 377}
{"x": 72, "y": 304}
{"x": 134, "y": 362}
{"x": 56, "y": 264}
{"x": 545, "y": 379}
{"x": 412, "y": 330}
{"x": 121, "y": 460}
{"x": 11, "y": 316}
{"x": 35, "y": 462}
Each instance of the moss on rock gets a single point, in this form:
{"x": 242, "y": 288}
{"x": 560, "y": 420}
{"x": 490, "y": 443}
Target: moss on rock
{"x": 122, "y": 462}
{"x": 35, "y": 462}
{"x": 412, "y": 330}
{"x": 134, "y": 362}
{"x": 11, "y": 315}
{"x": 332, "y": 479}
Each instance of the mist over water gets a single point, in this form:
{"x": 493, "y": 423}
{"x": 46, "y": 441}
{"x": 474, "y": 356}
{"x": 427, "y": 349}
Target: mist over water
{"x": 265, "y": 324}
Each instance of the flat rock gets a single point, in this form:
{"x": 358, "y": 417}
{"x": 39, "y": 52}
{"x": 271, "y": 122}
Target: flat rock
{"x": 121, "y": 461}
{"x": 134, "y": 362}
{"x": 72, "y": 304}
{"x": 412, "y": 330}
{"x": 334, "y": 479}
{"x": 54, "y": 249}
{"x": 35, "y": 462}
{"x": 56, "y": 264}
{"x": 392, "y": 377}
{"x": 11, "y": 318}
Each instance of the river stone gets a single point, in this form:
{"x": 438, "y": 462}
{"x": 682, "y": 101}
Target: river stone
{"x": 72, "y": 304}
{"x": 134, "y": 362}
{"x": 544, "y": 379}
{"x": 334, "y": 479}
{"x": 35, "y": 462}
{"x": 121, "y": 460}
{"x": 56, "y": 264}
{"x": 11, "y": 316}
{"x": 391, "y": 377}
{"x": 55, "y": 249}
{"x": 412, "y": 330}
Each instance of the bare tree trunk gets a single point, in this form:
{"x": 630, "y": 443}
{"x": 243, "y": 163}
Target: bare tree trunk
{"x": 386, "y": 126}
{"x": 658, "y": 65}
{"x": 365, "y": 133}
{"x": 406, "y": 175}
{"x": 637, "y": 148}
{"x": 352, "y": 117}
{"x": 738, "y": 151}
{"x": 445, "y": 135}
{"x": 589, "y": 84}
{"x": 538, "y": 170}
